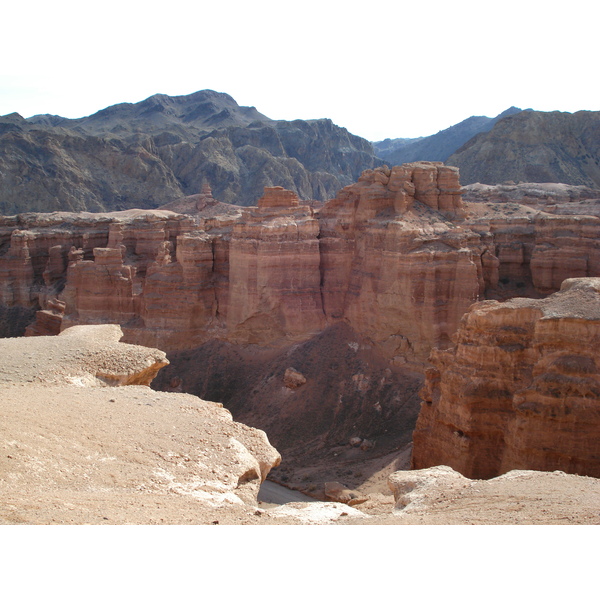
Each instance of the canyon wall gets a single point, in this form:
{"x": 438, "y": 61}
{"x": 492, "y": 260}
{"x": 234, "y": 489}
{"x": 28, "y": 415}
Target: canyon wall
{"x": 398, "y": 256}
{"x": 519, "y": 390}
{"x": 352, "y": 295}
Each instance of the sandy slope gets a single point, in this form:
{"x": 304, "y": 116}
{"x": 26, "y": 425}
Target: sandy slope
{"x": 75, "y": 451}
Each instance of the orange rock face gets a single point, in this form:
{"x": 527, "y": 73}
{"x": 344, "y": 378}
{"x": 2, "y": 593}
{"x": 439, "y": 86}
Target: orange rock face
{"x": 520, "y": 389}
{"x": 398, "y": 271}
{"x": 398, "y": 256}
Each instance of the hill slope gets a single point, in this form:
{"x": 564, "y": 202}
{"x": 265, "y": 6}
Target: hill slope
{"x": 149, "y": 153}
{"x": 537, "y": 147}
{"x": 437, "y": 147}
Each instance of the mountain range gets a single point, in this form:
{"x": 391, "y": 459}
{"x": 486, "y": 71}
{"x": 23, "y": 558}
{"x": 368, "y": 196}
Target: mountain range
{"x": 146, "y": 154}
{"x": 150, "y": 153}
{"x": 441, "y": 145}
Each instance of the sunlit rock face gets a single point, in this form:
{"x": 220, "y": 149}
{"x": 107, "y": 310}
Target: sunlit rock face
{"x": 397, "y": 266}
{"x": 519, "y": 390}
{"x": 397, "y": 255}
{"x": 274, "y": 272}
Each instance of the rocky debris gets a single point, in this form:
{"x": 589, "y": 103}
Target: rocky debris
{"x": 293, "y": 379}
{"x": 48, "y": 321}
{"x": 316, "y": 513}
{"x": 367, "y": 445}
{"x": 412, "y": 489}
{"x": 336, "y": 492}
{"x": 325, "y": 412}
{"x": 440, "y": 495}
{"x": 519, "y": 390}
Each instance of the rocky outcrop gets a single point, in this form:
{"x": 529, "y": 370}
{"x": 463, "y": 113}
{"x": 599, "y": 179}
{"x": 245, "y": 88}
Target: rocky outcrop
{"x": 520, "y": 390}
{"x": 392, "y": 245}
{"x": 440, "y": 495}
{"x": 397, "y": 255}
{"x": 534, "y": 146}
{"x": 274, "y": 275}
{"x": 83, "y": 355}
{"x": 353, "y": 295}
{"x": 79, "y": 447}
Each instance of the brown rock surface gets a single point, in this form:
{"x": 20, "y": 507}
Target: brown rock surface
{"x": 535, "y": 146}
{"x": 72, "y": 454}
{"x": 397, "y": 255}
{"x": 238, "y": 296}
{"x": 520, "y": 390}
{"x": 388, "y": 257}
{"x": 76, "y": 449}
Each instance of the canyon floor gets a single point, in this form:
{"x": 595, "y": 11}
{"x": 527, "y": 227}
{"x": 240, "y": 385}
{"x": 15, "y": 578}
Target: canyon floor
{"x": 61, "y": 482}
{"x": 125, "y": 455}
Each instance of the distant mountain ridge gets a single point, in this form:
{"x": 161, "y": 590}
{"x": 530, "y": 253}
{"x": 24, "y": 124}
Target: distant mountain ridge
{"x": 535, "y": 147}
{"x": 149, "y": 153}
{"x": 164, "y": 148}
{"x": 437, "y": 147}
{"x": 189, "y": 116}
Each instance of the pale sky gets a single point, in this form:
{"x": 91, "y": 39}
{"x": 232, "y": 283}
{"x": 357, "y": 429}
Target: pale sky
{"x": 380, "y": 69}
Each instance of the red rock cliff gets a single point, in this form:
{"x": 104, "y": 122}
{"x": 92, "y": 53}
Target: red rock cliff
{"x": 398, "y": 256}
{"x": 520, "y": 389}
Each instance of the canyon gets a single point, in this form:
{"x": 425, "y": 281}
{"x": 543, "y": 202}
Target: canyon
{"x": 520, "y": 388}
{"x": 315, "y": 322}
{"x": 86, "y": 441}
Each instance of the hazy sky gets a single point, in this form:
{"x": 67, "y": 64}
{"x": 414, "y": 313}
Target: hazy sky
{"x": 380, "y": 69}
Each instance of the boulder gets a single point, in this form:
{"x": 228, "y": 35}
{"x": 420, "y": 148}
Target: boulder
{"x": 293, "y": 379}
{"x": 336, "y": 492}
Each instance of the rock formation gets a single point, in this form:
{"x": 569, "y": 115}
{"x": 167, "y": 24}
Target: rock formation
{"x": 79, "y": 447}
{"x": 86, "y": 441}
{"x": 392, "y": 245}
{"x": 519, "y": 390}
{"x": 398, "y": 255}
{"x": 353, "y": 295}
{"x": 440, "y": 495}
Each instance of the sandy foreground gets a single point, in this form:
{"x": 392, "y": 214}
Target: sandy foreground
{"x": 77, "y": 452}
{"x": 107, "y": 456}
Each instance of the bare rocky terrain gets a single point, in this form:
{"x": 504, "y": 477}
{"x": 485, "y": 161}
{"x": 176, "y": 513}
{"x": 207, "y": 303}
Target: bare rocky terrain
{"x": 146, "y": 154}
{"x": 79, "y": 447}
{"x": 313, "y": 323}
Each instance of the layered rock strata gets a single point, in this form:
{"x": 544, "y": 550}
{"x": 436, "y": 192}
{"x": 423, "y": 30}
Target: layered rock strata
{"x": 519, "y": 390}
{"x": 398, "y": 256}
